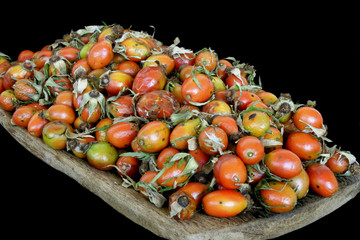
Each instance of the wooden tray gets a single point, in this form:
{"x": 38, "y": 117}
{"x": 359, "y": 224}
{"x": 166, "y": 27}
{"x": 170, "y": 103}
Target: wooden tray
{"x": 250, "y": 225}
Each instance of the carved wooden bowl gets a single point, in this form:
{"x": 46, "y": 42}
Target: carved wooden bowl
{"x": 255, "y": 224}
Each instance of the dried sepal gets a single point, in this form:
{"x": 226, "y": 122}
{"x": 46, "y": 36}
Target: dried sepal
{"x": 80, "y": 147}
{"x": 319, "y": 132}
{"x": 203, "y": 103}
{"x": 104, "y": 79}
{"x": 148, "y": 160}
{"x": 78, "y": 135}
{"x": 39, "y": 76}
{"x": 191, "y": 165}
{"x": 189, "y": 170}
{"x": 90, "y": 29}
{"x": 283, "y": 108}
{"x": 133, "y": 34}
{"x": 244, "y": 68}
{"x": 270, "y": 143}
{"x": 33, "y": 96}
{"x": 127, "y": 181}
{"x": 51, "y": 84}
{"x": 192, "y": 143}
{"x": 209, "y": 166}
{"x": 240, "y": 124}
{"x": 206, "y": 50}
{"x": 81, "y": 83}
{"x": 182, "y": 205}
{"x": 237, "y": 73}
{"x": 80, "y": 71}
{"x": 251, "y": 72}
{"x": 59, "y": 64}
{"x": 179, "y": 52}
{"x": 214, "y": 142}
{"x": 134, "y": 119}
{"x": 120, "y": 49}
{"x": 330, "y": 152}
{"x": 181, "y": 116}
{"x": 244, "y": 188}
{"x": 92, "y": 99}
{"x": 152, "y": 192}
{"x": 264, "y": 185}
{"x": 349, "y": 156}
{"x": 250, "y": 88}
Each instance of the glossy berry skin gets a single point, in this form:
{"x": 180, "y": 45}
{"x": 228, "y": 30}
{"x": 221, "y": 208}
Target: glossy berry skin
{"x": 100, "y": 55}
{"x": 306, "y": 146}
{"x": 24, "y": 90}
{"x": 121, "y": 107}
{"x": 241, "y": 98}
{"x": 173, "y": 175}
{"x": 153, "y": 137}
{"x": 158, "y": 104}
{"x": 136, "y": 49}
{"x": 165, "y": 155}
{"x": 229, "y": 171}
{"x": 102, "y": 156}
{"x": 300, "y": 184}
{"x": 228, "y": 124}
{"x": 307, "y": 115}
{"x": 224, "y": 203}
{"x": 232, "y": 80}
{"x": 278, "y": 197}
{"x": 212, "y": 140}
{"x": 128, "y": 165}
{"x": 17, "y": 71}
{"x": 283, "y": 163}
{"x": 207, "y": 59}
{"x": 250, "y": 149}
{"x": 217, "y": 107}
{"x": 322, "y": 180}
{"x": 163, "y": 59}
{"x": 40, "y": 57}
{"x": 36, "y": 124}
{"x": 184, "y": 59}
{"x": 128, "y": 67}
{"x": 53, "y": 134}
{"x": 197, "y": 88}
{"x": 183, "y": 132}
{"x": 256, "y": 123}
{"x": 338, "y": 163}
{"x": 147, "y": 178}
{"x": 116, "y": 81}
{"x": 8, "y": 100}
{"x": 101, "y": 135}
{"x": 149, "y": 79}
{"x": 61, "y": 112}
{"x": 121, "y": 134}
{"x": 22, "y": 116}
{"x": 200, "y": 157}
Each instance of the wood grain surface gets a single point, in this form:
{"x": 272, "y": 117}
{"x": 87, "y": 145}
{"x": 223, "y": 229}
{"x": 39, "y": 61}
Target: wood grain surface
{"x": 256, "y": 224}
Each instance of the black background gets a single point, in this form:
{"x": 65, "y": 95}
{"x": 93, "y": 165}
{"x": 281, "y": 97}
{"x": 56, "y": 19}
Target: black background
{"x": 312, "y": 54}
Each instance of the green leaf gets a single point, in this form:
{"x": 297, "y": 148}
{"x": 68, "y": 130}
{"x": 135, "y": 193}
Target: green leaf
{"x": 5, "y": 56}
{"x": 195, "y": 79}
{"x": 139, "y": 155}
{"x": 181, "y": 116}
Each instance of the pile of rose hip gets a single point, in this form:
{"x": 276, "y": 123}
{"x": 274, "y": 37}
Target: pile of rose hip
{"x": 187, "y": 129}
